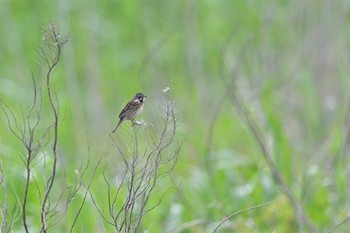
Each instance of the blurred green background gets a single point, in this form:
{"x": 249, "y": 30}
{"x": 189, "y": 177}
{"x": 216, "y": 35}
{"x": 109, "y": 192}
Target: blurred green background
{"x": 291, "y": 62}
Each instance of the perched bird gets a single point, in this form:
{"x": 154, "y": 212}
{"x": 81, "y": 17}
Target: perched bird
{"x": 131, "y": 110}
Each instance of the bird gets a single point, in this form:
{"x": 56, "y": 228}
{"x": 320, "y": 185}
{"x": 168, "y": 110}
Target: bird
{"x": 131, "y": 110}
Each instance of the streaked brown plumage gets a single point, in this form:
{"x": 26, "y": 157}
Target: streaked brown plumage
{"x": 131, "y": 110}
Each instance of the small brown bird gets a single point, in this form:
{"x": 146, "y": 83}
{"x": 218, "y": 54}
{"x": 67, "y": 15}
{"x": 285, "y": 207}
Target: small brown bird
{"x": 131, "y": 110}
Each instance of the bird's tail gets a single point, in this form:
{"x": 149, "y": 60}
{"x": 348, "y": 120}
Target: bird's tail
{"x": 115, "y": 129}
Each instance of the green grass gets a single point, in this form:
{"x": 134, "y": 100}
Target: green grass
{"x": 291, "y": 70}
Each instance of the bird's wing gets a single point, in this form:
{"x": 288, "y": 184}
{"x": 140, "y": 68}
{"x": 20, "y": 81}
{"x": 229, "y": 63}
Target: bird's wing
{"x": 129, "y": 109}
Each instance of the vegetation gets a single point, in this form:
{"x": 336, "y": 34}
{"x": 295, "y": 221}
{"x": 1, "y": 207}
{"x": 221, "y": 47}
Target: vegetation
{"x": 246, "y": 121}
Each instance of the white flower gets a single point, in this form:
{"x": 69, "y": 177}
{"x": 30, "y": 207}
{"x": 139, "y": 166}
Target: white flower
{"x": 166, "y": 89}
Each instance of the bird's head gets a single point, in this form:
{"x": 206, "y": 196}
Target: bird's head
{"x": 139, "y": 96}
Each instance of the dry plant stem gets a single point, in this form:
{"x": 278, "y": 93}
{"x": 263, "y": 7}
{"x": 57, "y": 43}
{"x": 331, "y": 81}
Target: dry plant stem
{"x": 8, "y": 217}
{"x": 3, "y": 207}
{"x": 58, "y": 43}
{"x": 187, "y": 225}
{"x": 30, "y": 147}
{"x": 140, "y": 174}
{"x": 339, "y": 224}
{"x": 87, "y": 188}
{"x": 33, "y": 143}
{"x": 24, "y": 210}
{"x": 239, "y": 212}
{"x": 4, "y": 212}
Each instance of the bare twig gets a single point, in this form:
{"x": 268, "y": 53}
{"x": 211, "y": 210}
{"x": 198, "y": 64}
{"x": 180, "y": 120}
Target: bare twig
{"x": 54, "y": 44}
{"x": 4, "y": 207}
{"x": 26, "y": 131}
{"x": 87, "y": 188}
{"x": 186, "y": 225}
{"x": 239, "y": 212}
{"x": 141, "y": 170}
{"x": 338, "y": 224}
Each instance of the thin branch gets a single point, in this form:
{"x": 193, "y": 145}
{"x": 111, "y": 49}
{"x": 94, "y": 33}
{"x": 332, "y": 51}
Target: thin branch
{"x": 54, "y": 43}
{"x": 239, "y": 212}
{"x": 10, "y": 117}
{"x": 87, "y": 187}
{"x": 187, "y": 225}
{"x": 339, "y": 224}
{"x": 4, "y": 207}
{"x": 141, "y": 172}
{"x": 98, "y": 209}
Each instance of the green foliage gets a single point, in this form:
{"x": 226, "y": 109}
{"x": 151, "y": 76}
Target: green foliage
{"x": 290, "y": 62}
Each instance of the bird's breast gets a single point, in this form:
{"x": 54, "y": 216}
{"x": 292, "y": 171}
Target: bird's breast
{"x": 139, "y": 110}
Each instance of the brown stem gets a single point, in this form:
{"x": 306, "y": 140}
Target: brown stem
{"x": 58, "y": 43}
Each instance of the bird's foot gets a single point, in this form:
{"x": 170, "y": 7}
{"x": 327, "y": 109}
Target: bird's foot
{"x": 139, "y": 123}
